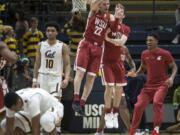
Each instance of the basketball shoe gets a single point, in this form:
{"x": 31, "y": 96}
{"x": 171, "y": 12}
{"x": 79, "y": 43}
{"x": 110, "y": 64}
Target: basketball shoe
{"x": 154, "y": 132}
{"x": 78, "y": 108}
{"x": 109, "y": 120}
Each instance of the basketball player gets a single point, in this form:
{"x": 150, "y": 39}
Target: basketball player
{"x": 31, "y": 107}
{"x": 122, "y": 108}
{"x": 113, "y": 71}
{"x": 90, "y": 50}
{"x": 52, "y": 63}
{"x": 156, "y": 61}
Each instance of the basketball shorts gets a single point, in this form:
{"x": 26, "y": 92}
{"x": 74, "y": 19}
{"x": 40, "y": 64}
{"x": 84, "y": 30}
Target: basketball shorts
{"x": 113, "y": 74}
{"x": 88, "y": 57}
{"x": 50, "y": 83}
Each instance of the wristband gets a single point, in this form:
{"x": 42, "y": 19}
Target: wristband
{"x": 34, "y": 80}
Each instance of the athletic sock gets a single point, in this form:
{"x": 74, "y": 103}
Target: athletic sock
{"x": 82, "y": 102}
{"x": 76, "y": 97}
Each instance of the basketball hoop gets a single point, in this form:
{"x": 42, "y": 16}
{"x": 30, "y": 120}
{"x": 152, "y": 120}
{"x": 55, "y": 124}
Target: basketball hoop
{"x": 79, "y": 5}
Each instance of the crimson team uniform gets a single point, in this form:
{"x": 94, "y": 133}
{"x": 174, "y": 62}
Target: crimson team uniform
{"x": 155, "y": 89}
{"x": 113, "y": 70}
{"x": 90, "y": 48}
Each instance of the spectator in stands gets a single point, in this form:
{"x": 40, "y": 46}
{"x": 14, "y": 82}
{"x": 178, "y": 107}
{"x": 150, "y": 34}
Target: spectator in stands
{"x": 10, "y": 40}
{"x": 21, "y": 28}
{"x": 177, "y": 27}
{"x": 74, "y": 29}
{"x": 31, "y": 40}
{"x": 23, "y": 74}
{"x": 176, "y": 103}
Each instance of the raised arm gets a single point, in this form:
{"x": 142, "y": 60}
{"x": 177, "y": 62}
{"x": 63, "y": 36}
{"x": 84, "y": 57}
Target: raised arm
{"x": 94, "y": 7}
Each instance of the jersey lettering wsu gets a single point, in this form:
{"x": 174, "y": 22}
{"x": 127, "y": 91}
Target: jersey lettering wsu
{"x": 96, "y": 28}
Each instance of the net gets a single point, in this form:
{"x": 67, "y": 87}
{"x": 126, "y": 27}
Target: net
{"x": 79, "y": 5}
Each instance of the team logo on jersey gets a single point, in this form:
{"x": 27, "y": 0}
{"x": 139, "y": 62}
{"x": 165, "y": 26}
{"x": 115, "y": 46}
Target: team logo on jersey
{"x": 50, "y": 54}
{"x": 117, "y": 35}
{"x": 159, "y": 58}
{"x": 100, "y": 23}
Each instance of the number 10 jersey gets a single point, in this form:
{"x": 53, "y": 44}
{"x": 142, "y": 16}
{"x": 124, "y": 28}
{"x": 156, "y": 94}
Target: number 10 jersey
{"x": 51, "y": 58}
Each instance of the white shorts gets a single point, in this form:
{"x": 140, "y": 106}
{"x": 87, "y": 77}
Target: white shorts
{"x": 50, "y": 83}
{"x": 21, "y": 120}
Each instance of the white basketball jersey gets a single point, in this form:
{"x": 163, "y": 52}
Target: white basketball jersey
{"x": 44, "y": 98}
{"x": 51, "y": 58}
{"x": 40, "y": 97}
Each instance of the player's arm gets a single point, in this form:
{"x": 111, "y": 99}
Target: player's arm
{"x": 7, "y": 54}
{"x": 173, "y": 67}
{"x": 36, "y": 125}
{"x": 37, "y": 64}
{"x": 34, "y": 110}
{"x": 141, "y": 69}
{"x": 129, "y": 60}
{"x": 117, "y": 42}
{"x": 9, "y": 126}
{"x": 67, "y": 66}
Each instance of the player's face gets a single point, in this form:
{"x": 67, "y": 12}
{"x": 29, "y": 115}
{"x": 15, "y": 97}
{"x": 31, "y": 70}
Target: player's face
{"x": 51, "y": 32}
{"x": 34, "y": 24}
{"x": 104, "y": 6}
{"x": 151, "y": 42}
{"x": 121, "y": 12}
{"x": 18, "y": 106}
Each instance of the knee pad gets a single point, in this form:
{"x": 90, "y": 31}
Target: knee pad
{"x": 47, "y": 122}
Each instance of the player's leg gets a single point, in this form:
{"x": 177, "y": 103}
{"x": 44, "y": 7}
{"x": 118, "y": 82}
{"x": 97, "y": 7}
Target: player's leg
{"x": 119, "y": 74}
{"x": 158, "y": 100}
{"x": 124, "y": 112}
{"x": 143, "y": 99}
{"x": 100, "y": 129}
{"x": 92, "y": 70}
{"x": 87, "y": 87}
{"x": 108, "y": 106}
{"x": 109, "y": 81}
{"x": 80, "y": 65}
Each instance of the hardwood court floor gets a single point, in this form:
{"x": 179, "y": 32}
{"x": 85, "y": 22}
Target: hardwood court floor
{"x": 118, "y": 134}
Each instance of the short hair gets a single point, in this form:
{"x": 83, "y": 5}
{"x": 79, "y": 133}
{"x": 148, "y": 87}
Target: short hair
{"x": 11, "y": 99}
{"x": 154, "y": 34}
{"x": 33, "y": 19}
{"x": 52, "y": 24}
{"x": 121, "y": 6}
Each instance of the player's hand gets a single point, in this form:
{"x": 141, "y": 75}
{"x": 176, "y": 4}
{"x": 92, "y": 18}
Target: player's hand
{"x": 64, "y": 83}
{"x": 95, "y": 5}
{"x": 132, "y": 74}
{"x": 169, "y": 82}
{"x": 106, "y": 35}
{"x": 35, "y": 85}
